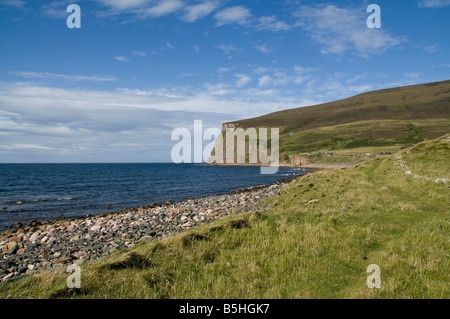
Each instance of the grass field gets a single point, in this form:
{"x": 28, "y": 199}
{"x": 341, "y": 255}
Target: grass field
{"x": 314, "y": 241}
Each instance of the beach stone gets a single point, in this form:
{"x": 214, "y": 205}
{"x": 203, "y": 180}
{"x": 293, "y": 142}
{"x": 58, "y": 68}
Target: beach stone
{"x": 81, "y": 254}
{"x": 51, "y": 241}
{"x": 16, "y": 239}
{"x": 74, "y": 238}
{"x": 30, "y": 272}
{"x": 146, "y": 239}
{"x": 62, "y": 260}
{"x": 12, "y": 247}
{"x": 34, "y": 236}
{"x": 95, "y": 228}
{"x": 4, "y": 279}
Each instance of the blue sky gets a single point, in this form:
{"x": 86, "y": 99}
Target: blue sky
{"x": 114, "y": 90}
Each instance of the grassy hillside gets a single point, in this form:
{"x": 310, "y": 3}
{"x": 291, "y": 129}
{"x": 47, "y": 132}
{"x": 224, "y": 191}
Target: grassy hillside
{"x": 314, "y": 241}
{"x": 404, "y": 115}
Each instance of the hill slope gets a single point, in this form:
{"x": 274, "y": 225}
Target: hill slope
{"x": 316, "y": 240}
{"x": 404, "y": 115}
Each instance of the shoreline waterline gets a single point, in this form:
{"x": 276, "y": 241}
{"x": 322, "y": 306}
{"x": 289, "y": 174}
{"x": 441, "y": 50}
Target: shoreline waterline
{"x": 53, "y": 192}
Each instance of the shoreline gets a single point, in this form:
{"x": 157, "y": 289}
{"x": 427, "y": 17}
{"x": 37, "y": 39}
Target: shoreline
{"x": 55, "y": 245}
{"x": 36, "y": 224}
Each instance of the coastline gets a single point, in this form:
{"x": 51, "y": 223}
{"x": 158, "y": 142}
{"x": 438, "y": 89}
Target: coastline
{"x": 54, "y": 245}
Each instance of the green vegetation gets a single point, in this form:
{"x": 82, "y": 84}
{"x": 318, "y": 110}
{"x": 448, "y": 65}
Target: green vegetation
{"x": 314, "y": 241}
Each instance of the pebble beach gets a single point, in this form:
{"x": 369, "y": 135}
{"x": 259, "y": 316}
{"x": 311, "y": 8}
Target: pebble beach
{"x": 45, "y": 246}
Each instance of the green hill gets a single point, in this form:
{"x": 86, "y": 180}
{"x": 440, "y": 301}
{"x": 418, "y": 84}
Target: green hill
{"x": 315, "y": 240}
{"x": 397, "y": 116}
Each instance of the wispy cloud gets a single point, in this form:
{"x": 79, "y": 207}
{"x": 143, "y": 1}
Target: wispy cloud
{"x": 121, "y": 58}
{"x": 263, "y": 48}
{"x": 142, "y": 54}
{"x": 431, "y": 48}
{"x": 13, "y": 3}
{"x": 271, "y": 23}
{"x": 434, "y": 3}
{"x": 237, "y": 14}
{"x": 56, "y": 9}
{"x": 228, "y": 49}
{"x": 243, "y": 80}
{"x": 121, "y": 5}
{"x": 339, "y": 30}
{"x": 265, "y": 80}
{"x": 200, "y": 11}
{"x": 45, "y": 75}
{"x": 162, "y": 8}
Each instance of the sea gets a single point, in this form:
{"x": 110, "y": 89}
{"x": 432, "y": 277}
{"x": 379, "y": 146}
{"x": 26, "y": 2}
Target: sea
{"x": 49, "y": 192}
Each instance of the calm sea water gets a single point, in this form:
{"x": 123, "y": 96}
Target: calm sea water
{"x": 60, "y": 191}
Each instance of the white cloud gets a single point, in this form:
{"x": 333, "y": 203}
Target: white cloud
{"x": 302, "y": 70}
{"x": 170, "y": 46}
{"x": 142, "y": 54}
{"x": 265, "y": 80}
{"x": 434, "y": 3}
{"x": 121, "y": 58}
{"x": 243, "y": 80}
{"x": 200, "y": 11}
{"x": 271, "y": 23}
{"x": 263, "y": 48}
{"x": 45, "y": 75}
{"x": 229, "y": 49}
{"x": 431, "y": 48}
{"x": 164, "y": 7}
{"x": 340, "y": 30}
{"x": 237, "y": 14}
{"x": 120, "y": 5}
{"x": 13, "y": 3}
{"x": 56, "y": 9}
